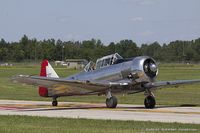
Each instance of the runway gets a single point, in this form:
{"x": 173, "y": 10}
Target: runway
{"x": 99, "y": 111}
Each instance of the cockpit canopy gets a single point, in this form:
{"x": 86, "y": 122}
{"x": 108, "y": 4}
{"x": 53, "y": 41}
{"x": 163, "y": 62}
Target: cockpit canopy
{"x": 103, "y": 62}
{"x": 107, "y": 60}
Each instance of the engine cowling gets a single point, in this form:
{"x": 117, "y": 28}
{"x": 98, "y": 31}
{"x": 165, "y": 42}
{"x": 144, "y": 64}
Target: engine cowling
{"x": 150, "y": 68}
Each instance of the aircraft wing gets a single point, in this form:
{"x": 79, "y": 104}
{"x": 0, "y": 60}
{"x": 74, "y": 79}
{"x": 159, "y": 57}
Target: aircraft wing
{"x": 166, "y": 84}
{"x": 62, "y": 86}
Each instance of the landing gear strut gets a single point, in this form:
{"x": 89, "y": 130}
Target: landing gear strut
{"x": 54, "y": 102}
{"x": 149, "y": 101}
{"x": 111, "y": 101}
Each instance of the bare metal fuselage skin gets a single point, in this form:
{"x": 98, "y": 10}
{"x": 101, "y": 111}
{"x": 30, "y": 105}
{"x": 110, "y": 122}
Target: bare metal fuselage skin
{"x": 119, "y": 73}
{"x": 113, "y": 74}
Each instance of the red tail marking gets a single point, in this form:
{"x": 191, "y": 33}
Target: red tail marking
{"x": 43, "y": 71}
{"x": 43, "y": 92}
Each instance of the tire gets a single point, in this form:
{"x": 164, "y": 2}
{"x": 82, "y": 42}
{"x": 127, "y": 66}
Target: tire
{"x": 149, "y": 102}
{"x": 55, "y": 103}
{"x": 111, "y": 102}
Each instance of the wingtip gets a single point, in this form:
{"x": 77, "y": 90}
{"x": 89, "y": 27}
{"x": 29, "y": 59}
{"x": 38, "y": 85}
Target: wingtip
{"x": 16, "y": 77}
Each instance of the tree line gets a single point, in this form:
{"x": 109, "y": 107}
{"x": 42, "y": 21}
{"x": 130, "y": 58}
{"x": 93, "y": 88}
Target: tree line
{"x": 27, "y": 49}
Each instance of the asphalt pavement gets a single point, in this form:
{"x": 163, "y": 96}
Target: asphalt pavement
{"x": 99, "y": 111}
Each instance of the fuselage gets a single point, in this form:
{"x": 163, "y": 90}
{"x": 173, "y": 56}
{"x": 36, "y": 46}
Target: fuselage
{"x": 117, "y": 72}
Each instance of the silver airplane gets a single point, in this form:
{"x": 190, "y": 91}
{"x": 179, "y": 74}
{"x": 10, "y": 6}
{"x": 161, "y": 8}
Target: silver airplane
{"x": 109, "y": 75}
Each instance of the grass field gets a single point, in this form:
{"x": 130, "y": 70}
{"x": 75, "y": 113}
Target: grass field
{"x": 27, "y": 124}
{"x": 185, "y": 95}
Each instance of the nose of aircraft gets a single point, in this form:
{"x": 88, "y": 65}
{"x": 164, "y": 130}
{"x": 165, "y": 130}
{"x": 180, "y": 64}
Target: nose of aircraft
{"x": 150, "y": 68}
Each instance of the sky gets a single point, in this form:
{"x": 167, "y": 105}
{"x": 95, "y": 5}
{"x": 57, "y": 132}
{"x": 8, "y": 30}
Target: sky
{"x": 143, "y": 21}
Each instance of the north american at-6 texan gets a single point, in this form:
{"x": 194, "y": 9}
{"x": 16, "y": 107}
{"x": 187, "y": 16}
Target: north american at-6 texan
{"x": 109, "y": 75}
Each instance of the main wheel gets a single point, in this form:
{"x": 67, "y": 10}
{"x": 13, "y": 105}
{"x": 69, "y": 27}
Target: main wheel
{"x": 111, "y": 102}
{"x": 54, "y": 103}
{"x": 149, "y": 102}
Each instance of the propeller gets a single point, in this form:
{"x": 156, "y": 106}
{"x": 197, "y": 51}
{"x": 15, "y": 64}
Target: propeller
{"x": 150, "y": 68}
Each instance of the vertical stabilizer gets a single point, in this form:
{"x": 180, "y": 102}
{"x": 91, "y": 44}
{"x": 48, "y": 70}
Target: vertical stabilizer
{"x": 46, "y": 71}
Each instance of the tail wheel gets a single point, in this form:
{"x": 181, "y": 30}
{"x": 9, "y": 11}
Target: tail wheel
{"x": 54, "y": 103}
{"x": 111, "y": 102}
{"x": 149, "y": 102}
